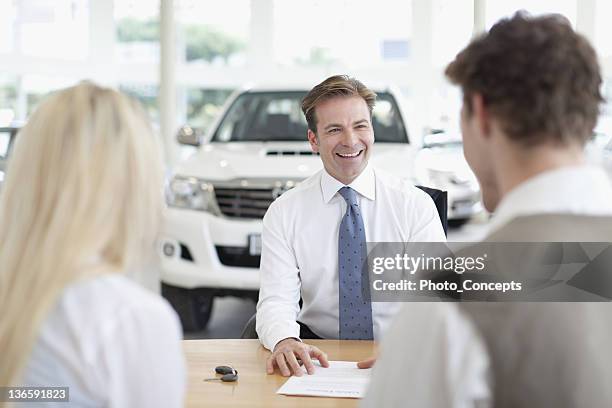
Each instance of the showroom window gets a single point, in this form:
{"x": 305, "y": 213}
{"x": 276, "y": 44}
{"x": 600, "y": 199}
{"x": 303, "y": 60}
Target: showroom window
{"x": 213, "y": 36}
{"x": 7, "y": 21}
{"x": 348, "y": 33}
{"x": 603, "y": 28}
{"x": 137, "y": 31}
{"x": 147, "y": 95}
{"x": 56, "y": 29}
{"x": 204, "y": 105}
{"x": 497, "y": 9}
{"x": 137, "y": 51}
{"x": 8, "y": 99}
{"x": 45, "y": 44}
{"x": 453, "y": 28}
{"x": 210, "y": 39}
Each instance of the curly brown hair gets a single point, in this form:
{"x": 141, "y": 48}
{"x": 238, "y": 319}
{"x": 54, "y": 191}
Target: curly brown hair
{"x": 536, "y": 75}
{"x": 337, "y": 85}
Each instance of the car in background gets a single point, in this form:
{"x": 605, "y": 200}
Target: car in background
{"x": 7, "y": 138}
{"x": 256, "y": 151}
{"x": 440, "y": 164}
{"x": 598, "y": 150}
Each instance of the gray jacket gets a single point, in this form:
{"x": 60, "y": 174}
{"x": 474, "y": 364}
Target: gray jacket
{"x": 549, "y": 354}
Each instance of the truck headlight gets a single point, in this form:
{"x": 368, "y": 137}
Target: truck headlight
{"x": 191, "y": 193}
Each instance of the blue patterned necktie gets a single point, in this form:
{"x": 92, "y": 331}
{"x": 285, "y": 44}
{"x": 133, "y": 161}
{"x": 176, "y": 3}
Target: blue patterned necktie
{"x": 355, "y": 321}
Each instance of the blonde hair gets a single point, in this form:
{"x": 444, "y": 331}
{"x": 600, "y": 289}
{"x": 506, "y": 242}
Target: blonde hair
{"x": 82, "y": 196}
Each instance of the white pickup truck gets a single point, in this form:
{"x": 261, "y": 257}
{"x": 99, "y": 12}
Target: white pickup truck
{"x": 255, "y": 151}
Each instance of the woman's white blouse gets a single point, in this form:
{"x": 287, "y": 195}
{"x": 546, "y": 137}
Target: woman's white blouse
{"x": 113, "y": 343}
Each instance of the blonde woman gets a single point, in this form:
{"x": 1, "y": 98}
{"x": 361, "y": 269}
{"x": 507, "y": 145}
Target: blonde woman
{"x": 79, "y": 211}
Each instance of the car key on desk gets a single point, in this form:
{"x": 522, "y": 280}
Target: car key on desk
{"x": 228, "y": 374}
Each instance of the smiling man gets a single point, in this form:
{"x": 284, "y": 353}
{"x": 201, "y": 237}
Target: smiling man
{"x": 314, "y": 235}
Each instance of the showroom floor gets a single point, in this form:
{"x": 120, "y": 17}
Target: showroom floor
{"x": 230, "y": 314}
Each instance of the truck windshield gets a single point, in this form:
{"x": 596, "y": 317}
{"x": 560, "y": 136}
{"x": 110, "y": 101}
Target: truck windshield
{"x": 277, "y": 116}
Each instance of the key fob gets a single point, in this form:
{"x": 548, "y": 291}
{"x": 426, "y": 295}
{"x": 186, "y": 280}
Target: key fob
{"x": 229, "y": 377}
{"x": 224, "y": 370}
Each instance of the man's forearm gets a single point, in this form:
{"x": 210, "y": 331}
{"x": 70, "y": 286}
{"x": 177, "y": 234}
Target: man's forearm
{"x": 274, "y": 325}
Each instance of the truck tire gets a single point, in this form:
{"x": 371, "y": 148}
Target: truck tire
{"x": 194, "y": 306}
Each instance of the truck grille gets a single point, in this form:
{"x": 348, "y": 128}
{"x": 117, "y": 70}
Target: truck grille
{"x": 244, "y": 202}
{"x": 291, "y": 153}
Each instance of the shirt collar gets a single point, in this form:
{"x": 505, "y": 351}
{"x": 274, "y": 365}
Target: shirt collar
{"x": 364, "y": 184}
{"x": 581, "y": 189}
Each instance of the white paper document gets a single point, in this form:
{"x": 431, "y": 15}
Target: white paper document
{"x": 342, "y": 379}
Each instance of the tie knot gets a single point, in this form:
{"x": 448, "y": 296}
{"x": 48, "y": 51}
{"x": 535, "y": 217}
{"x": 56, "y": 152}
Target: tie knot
{"x": 349, "y": 195}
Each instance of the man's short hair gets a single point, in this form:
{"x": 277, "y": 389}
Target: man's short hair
{"x": 334, "y": 86}
{"x": 536, "y": 75}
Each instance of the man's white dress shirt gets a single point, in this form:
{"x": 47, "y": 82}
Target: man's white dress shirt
{"x": 582, "y": 190}
{"x": 300, "y": 249}
{"x": 113, "y": 343}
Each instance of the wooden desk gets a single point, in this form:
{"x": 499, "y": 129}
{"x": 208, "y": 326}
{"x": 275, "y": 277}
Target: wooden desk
{"x": 254, "y": 387}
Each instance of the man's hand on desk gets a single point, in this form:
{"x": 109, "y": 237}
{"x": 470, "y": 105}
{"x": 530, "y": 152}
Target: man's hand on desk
{"x": 286, "y": 354}
{"x": 367, "y": 363}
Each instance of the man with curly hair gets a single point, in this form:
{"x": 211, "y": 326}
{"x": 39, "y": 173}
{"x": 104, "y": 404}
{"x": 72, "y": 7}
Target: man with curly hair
{"x": 531, "y": 98}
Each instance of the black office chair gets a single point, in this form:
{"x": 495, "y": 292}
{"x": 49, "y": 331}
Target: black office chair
{"x": 440, "y": 199}
{"x": 249, "y": 331}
